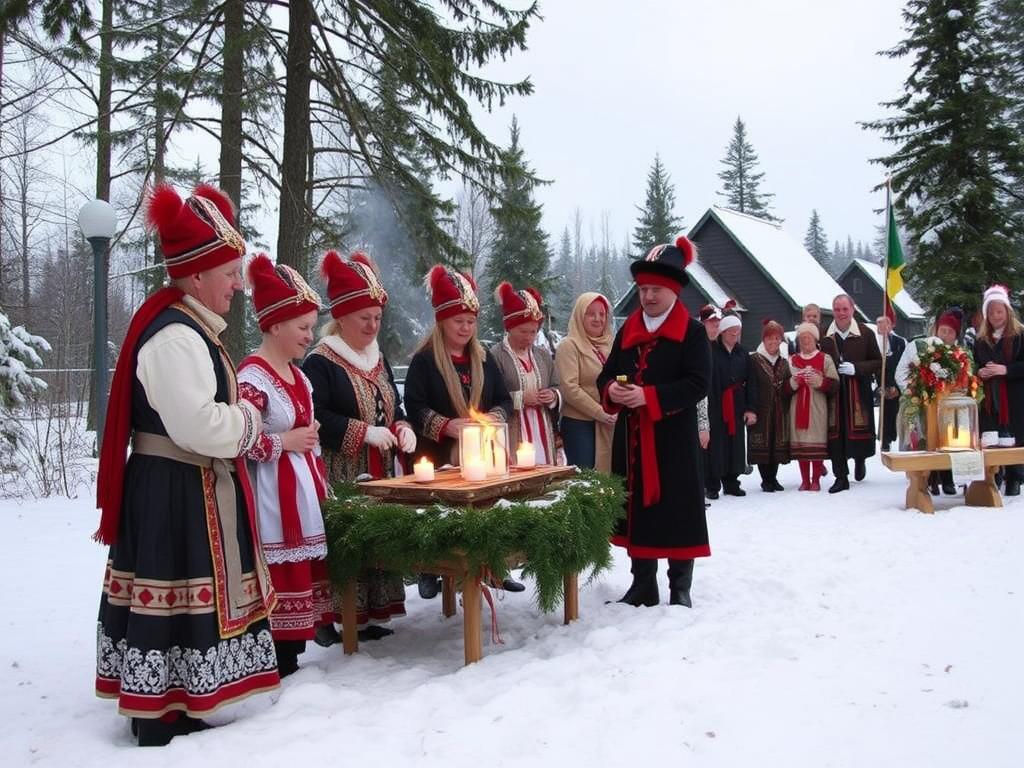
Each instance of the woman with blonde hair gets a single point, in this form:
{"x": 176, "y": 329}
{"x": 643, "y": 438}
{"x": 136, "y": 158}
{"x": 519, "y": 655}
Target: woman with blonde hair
{"x": 586, "y": 427}
{"x": 999, "y": 356}
{"x": 450, "y": 374}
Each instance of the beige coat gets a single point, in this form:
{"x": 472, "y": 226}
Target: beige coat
{"x": 577, "y": 370}
{"x": 544, "y": 377}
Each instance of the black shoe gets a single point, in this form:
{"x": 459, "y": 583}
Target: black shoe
{"x": 511, "y": 585}
{"x": 679, "y": 582}
{"x": 737, "y": 491}
{"x": 326, "y": 635}
{"x": 841, "y": 484}
{"x": 154, "y": 732}
{"x": 949, "y": 489}
{"x": 933, "y": 487}
{"x": 713, "y": 495}
{"x": 429, "y": 585}
{"x": 187, "y": 725}
{"x": 374, "y": 632}
{"x": 860, "y": 470}
{"x": 288, "y": 656}
{"x": 767, "y": 486}
{"x": 777, "y": 486}
{"x": 1012, "y": 487}
{"x": 643, "y": 591}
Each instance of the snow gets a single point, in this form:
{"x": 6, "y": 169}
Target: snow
{"x": 781, "y": 257}
{"x": 954, "y": 15}
{"x": 903, "y": 300}
{"x": 826, "y": 631}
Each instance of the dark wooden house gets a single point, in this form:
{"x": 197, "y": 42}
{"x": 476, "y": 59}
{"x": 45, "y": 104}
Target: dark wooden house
{"x": 756, "y": 262}
{"x": 865, "y": 282}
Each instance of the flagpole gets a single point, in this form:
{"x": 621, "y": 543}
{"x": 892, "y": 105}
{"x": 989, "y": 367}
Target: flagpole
{"x": 886, "y": 313}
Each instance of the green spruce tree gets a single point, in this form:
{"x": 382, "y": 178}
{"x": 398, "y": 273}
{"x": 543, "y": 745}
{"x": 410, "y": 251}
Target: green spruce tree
{"x": 741, "y": 179}
{"x": 563, "y": 290}
{"x": 657, "y": 222}
{"x": 956, "y": 155}
{"x": 816, "y": 242}
{"x": 520, "y": 252}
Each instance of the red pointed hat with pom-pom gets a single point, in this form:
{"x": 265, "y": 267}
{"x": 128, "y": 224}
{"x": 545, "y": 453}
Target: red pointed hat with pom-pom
{"x": 196, "y": 234}
{"x": 451, "y": 292}
{"x": 518, "y": 307}
{"x": 665, "y": 265}
{"x": 278, "y": 292}
{"x": 352, "y": 285}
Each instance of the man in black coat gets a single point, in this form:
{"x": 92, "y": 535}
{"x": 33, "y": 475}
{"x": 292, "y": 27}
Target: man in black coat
{"x": 656, "y": 373}
{"x": 893, "y": 346}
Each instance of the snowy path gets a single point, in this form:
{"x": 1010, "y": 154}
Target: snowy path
{"x": 827, "y": 631}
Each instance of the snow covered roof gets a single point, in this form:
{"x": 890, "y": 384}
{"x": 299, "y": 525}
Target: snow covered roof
{"x": 782, "y": 258}
{"x": 903, "y": 301}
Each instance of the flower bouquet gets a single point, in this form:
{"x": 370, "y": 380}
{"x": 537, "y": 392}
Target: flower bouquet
{"x": 939, "y": 370}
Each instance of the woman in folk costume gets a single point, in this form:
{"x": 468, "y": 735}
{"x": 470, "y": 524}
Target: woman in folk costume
{"x": 999, "y": 356}
{"x": 362, "y": 426}
{"x": 947, "y": 330}
{"x": 285, "y": 461}
{"x": 529, "y": 372}
{"x": 768, "y": 395}
{"x": 183, "y": 624}
{"x": 449, "y": 375}
{"x": 732, "y": 369}
{"x": 586, "y": 427}
{"x": 656, "y": 374}
{"x": 813, "y": 378}
{"x": 712, "y": 424}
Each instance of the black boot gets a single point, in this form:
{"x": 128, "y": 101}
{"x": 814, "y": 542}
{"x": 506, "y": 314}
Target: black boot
{"x": 429, "y": 585}
{"x": 948, "y": 487}
{"x": 933, "y": 483}
{"x": 860, "y": 469}
{"x": 288, "y": 656}
{"x": 680, "y": 579}
{"x": 326, "y": 635}
{"x": 644, "y": 589}
{"x": 841, "y": 484}
{"x": 154, "y": 732}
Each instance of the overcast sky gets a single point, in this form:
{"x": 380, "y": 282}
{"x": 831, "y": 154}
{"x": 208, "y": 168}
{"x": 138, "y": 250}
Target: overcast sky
{"x": 618, "y": 80}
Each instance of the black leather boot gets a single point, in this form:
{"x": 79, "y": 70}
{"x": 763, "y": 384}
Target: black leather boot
{"x": 288, "y": 656}
{"x": 154, "y": 732}
{"x": 326, "y": 635}
{"x": 680, "y": 579}
{"x": 644, "y": 589}
{"x": 429, "y": 585}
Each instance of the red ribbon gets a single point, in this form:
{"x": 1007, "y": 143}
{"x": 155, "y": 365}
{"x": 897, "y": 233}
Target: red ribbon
{"x": 803, "y": 396}
{"x": 729, "y": 407}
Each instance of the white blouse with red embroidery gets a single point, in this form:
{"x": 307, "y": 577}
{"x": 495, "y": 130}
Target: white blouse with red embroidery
{"x": 287, "y": 496}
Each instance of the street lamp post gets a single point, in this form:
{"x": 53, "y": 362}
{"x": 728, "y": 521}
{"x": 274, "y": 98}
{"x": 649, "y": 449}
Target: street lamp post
{"x": 98, "y": 222}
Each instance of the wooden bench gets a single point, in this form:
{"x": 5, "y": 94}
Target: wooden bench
{"x": 919, "y": 464}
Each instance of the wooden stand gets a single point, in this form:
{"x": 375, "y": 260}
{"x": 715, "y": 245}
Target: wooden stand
{"x": 917, "y": 466}
{"x": 456, "y": 574}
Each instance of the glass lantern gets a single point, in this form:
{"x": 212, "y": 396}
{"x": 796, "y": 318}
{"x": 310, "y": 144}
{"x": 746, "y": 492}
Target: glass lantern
{"x": 483, "y": 451}
{"x": 958, "y": 423}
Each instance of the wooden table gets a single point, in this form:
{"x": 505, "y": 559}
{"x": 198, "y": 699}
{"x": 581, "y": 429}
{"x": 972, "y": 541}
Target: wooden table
{"x": 918, "y": 465}
{"x": 456, "y": 574}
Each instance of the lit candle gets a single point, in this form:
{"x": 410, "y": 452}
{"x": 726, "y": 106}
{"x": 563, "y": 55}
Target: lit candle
{"x": 526, "y": 456}
{"x": 423, "y": 470}
{"x": 470, "y": 444}
{"x": 960, "y": 440}
{"x": 474, "y": 471}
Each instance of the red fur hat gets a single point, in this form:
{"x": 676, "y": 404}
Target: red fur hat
{"x": 196, "y": 234}
{"x": 352, "y": 285}
{"x": 451, "y": 292}
{"x": 278, "y": 292}
{"x": 518, "y": 307}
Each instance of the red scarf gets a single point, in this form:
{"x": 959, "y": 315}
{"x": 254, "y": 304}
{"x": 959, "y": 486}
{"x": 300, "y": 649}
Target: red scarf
{"x": 118, "y": 425}
{"x": 803, "y": 395}
{"x": 287, "y": 482}
{"x": 729, "y": 407}
{"x": 635, "y": 334}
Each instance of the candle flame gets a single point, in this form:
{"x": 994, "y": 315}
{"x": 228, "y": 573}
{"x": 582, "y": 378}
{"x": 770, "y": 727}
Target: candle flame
{"x": 478, "y": 417}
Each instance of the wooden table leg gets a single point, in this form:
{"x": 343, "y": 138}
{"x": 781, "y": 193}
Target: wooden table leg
{"x": 918, "y": 496}
{"x": 472, "y": 620}
{"x": 984, "y": 493}
{"x": 572, "y": 597}
{"x": 349, "y": 627}
{"x": 448, "y": 596}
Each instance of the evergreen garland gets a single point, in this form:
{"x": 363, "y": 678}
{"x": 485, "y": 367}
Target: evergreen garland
{"x": 566, "y": 530}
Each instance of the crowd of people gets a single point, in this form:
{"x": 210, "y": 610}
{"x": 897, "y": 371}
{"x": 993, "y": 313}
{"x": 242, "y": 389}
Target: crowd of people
{"x": 217, "y": 577}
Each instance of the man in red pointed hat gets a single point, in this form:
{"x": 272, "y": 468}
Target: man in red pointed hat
{"x": 656, "y": 375}
{"x": 183, "y": 623}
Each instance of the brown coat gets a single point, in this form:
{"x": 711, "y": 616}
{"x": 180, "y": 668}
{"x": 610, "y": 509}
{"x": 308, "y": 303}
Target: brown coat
{"x": 768, "y": 395}
{"x": 851, "y": 421}
{"x": 577, "y": 371}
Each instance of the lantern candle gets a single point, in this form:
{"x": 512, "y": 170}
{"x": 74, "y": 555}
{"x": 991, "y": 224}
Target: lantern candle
{"x": 474, "y": 471}
{"x": 526, "y": 456}
{"x": 470, "y": 438}
{"x": 423, "y": 471}
{"x": 962, "y": 439}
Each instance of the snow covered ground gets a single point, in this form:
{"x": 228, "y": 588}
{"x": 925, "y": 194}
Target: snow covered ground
{"x": 826, "y": 631}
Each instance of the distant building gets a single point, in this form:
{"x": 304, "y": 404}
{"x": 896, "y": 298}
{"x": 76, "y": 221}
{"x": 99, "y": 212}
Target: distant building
{"x": 760, "y": 265}
{"x": 865, "y": 281}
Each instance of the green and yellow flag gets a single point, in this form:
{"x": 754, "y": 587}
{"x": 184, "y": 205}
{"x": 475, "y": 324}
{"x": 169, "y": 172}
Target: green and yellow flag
{"x": 893, "y": 260}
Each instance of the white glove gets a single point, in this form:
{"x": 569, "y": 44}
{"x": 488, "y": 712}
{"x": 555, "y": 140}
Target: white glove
{"x": 380, "y": 438}
{"x": 847, "y": 369}
{"x": 406, "y": 439}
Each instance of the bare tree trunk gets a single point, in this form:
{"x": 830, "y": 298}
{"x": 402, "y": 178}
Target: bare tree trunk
{"x": 25, "y": 180}
{"x": 3, "y": 279}
{"x": 231, "y": 149}
{"x": 293, "y": 223}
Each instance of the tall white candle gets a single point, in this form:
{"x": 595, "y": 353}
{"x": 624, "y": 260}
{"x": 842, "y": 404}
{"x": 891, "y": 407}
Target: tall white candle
{"x": 473, "y": 471}
{"x": 470, "y": 437}
{"x": 423, "y": 470}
